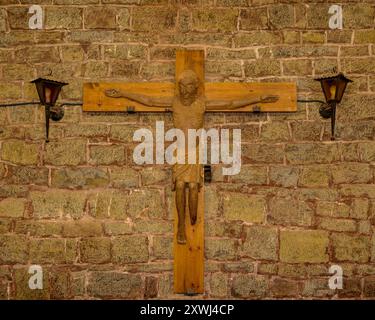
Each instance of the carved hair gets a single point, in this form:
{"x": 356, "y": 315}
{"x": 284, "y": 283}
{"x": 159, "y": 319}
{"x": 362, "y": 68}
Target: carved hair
{"x": 187, "y": 74}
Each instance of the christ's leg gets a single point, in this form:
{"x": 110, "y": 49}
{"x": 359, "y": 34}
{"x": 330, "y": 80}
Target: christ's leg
{"x": 193, "y": 202}
{"x": 180, "y": 205}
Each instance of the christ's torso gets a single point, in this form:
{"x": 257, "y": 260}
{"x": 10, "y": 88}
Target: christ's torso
{"x": 188, "y": 117}
{"x": 184, "y": 118}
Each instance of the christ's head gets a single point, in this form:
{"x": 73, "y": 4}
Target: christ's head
{"x": 188, "y": 84}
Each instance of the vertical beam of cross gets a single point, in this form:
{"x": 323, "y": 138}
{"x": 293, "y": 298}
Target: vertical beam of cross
{"x": 189, "y": 257}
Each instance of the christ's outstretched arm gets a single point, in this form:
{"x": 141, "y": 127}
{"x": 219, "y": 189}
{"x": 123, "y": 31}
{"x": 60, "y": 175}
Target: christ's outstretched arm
{"x": 236, "y": 104}
{"x": 162, "y": 102}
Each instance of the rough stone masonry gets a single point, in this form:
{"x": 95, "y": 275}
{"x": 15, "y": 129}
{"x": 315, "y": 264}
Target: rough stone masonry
{"x": 101, "y": 226}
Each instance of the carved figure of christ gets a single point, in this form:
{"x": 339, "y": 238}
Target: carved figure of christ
{"x": 188, "y": 108}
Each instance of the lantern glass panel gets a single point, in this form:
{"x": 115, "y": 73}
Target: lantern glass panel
{"x": 341, "y": 86}
{"x": 47, "y": 94}
{"x": 54, "y": 92}
{"x": 330, "y": 89}
{"x": 334, "y": 87}
{"x": 48, "y": 90}
{"x": 41, "y": 94}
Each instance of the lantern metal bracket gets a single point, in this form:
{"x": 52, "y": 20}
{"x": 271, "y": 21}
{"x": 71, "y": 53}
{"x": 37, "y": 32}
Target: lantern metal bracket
{"x": 326, "y": 111}
{"x": 55, "y": 113}
{"x": 207, "y": 173}
{"x": 333, "y": 89}
{"x": 319, "y": 101}
{"x": 48, "y": 92}
{"x": 18, "y": 104}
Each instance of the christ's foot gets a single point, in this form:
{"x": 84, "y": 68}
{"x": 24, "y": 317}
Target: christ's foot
{"x": 193, "y": 218}
{"x": 181, "y": 236}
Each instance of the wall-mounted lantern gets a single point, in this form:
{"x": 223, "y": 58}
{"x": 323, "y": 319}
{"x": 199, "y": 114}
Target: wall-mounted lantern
{"x": 333, "y": 89}
{"x": 48, "y": 91}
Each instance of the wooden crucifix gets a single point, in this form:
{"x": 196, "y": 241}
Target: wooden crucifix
{"x": 189, "y": 98}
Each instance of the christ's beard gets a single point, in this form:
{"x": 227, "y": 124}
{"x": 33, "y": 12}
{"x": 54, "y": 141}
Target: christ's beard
{"x": 188, "y": 100}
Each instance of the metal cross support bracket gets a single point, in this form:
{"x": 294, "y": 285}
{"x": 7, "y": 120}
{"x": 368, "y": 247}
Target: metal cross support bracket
{"x": 207, "y": 173}
{"x": 130, "y": 109}
{"x": 257, "y": 109}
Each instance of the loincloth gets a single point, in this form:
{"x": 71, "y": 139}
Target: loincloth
{"x": 187, "y": 173}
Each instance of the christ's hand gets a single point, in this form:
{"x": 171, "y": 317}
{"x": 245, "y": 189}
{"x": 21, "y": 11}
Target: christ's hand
{"x": 269, "y": 99}
{"x": 113, "y": 93}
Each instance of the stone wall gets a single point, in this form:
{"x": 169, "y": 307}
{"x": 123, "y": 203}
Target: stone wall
{"x": 102, "y": 227}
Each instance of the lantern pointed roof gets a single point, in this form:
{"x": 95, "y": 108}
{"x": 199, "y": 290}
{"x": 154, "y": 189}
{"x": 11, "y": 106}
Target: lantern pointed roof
{"x": 48, "y": 81}
{"x": 339, "y": 76}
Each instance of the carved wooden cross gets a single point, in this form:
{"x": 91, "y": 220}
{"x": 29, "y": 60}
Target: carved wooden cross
{"x": 188, "y": 99}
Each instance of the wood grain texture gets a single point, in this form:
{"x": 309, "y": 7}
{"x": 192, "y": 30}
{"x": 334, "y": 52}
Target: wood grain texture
{"x": 189, "y": 257}
{"x": 94, "y": 98}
